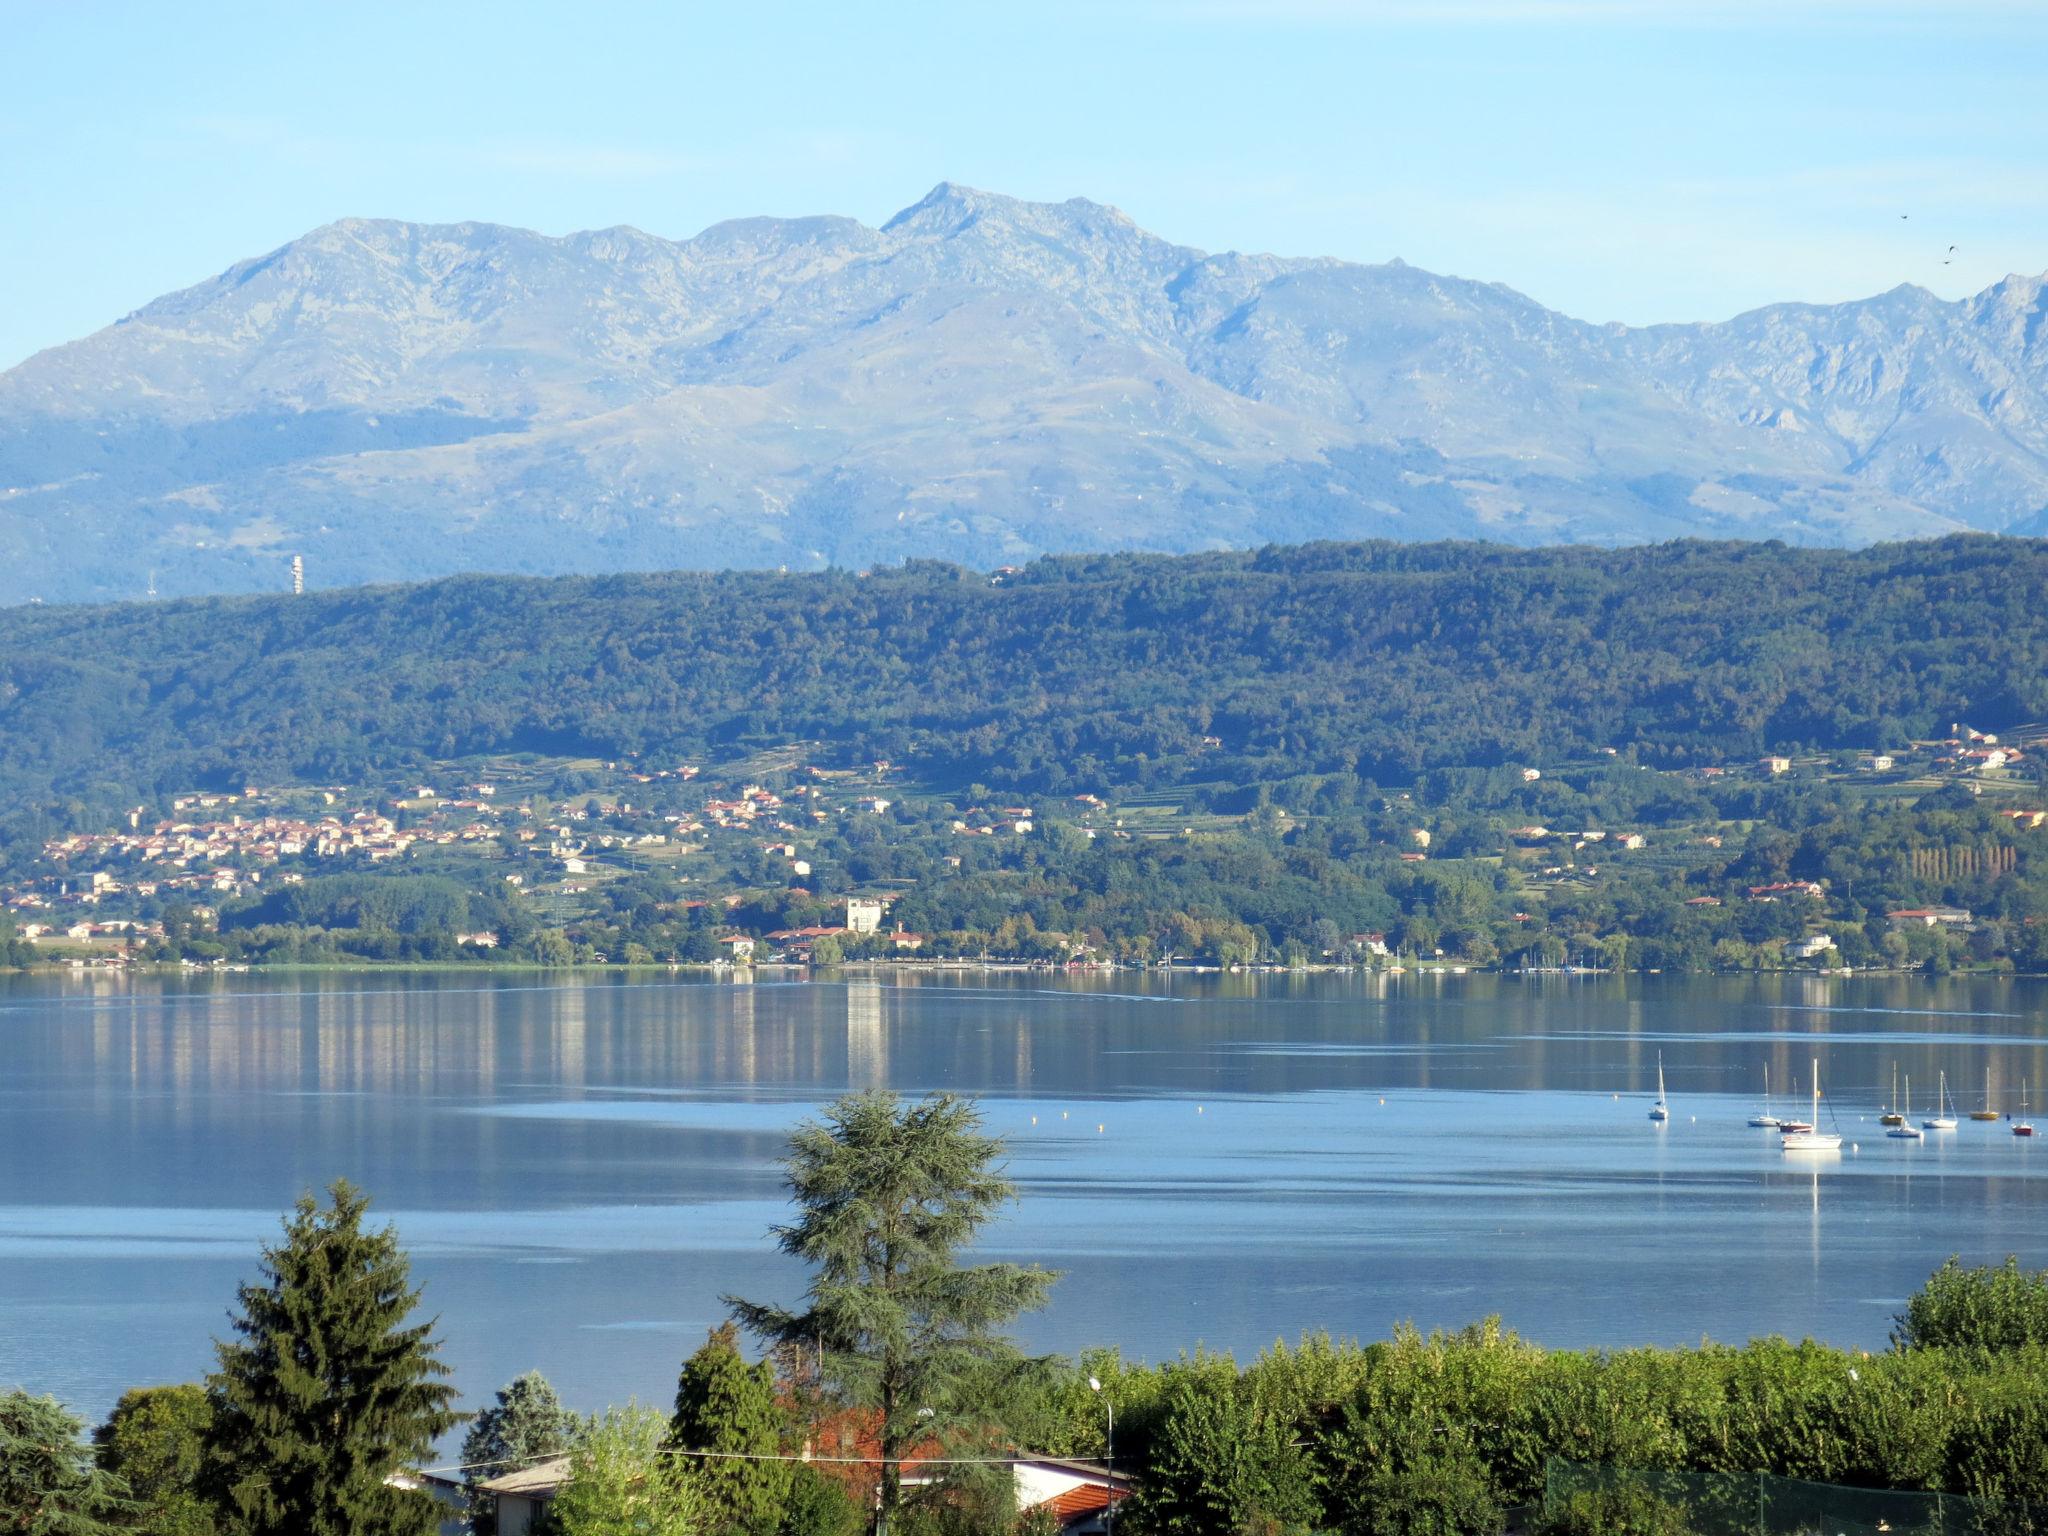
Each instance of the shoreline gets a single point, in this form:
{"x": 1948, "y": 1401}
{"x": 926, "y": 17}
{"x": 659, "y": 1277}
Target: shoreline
{"x": 121, "y": 965}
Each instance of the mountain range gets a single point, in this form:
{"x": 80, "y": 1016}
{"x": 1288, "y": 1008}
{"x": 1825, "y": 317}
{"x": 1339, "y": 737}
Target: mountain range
{"x": 981, "y": 379}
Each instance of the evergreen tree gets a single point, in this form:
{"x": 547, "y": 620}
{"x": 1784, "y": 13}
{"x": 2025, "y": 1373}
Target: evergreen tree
{"x": 328, "y": 1390}
{"x": 48, "y": 1483}
{"x": 526, "y": 1423}
{"x": 888, "y": 1195}
{"x": 725, "y": 1404}
{"x": 155, "y": 1441}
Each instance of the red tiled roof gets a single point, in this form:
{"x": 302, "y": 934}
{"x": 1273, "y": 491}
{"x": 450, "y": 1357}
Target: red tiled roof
{"x": 1076, "y": 1502}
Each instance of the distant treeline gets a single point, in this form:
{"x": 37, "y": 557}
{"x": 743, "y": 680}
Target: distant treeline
{"x": 1074, "y": 673}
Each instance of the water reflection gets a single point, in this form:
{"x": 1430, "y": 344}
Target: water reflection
{"x": 585, "y": 1164}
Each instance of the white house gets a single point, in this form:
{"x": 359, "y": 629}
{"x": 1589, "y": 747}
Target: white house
{"x": 1929, "y": 917}
{"x": 864, "y": 913}
{"x": 1076, "y": 1493}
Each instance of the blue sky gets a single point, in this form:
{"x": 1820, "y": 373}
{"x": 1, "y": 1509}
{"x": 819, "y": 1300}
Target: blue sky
{"x": 1618, "y": 159}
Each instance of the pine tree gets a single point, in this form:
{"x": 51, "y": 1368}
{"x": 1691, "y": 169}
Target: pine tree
{"x": 49, "y": 1485}
{"x": 888, "y": 1195}
{"x": 328, "y": 1390}
{"x": 725, "y": 1404}
{"x": 527, "y": 1423}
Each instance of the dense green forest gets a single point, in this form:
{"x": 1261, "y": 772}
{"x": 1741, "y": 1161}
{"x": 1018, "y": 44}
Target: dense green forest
{"x": 1382, "y": 659}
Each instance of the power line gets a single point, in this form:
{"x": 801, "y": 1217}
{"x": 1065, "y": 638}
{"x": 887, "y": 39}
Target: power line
{"x": 1019, "y": 1460}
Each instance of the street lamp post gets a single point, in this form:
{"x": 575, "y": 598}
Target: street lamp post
{"x": 1109, "y": 1459}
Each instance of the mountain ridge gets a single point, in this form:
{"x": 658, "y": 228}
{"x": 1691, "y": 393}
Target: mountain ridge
{"x": 980, "y": 378}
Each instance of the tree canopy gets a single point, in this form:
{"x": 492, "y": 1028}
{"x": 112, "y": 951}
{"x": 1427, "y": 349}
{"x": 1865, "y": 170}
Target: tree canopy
{"x": 328, "y": 1388}
{"x": 1078, "y": 671}
{"x": 49, "y": 1482}
{"x": 727, "y": 1406}
{"x": 906, "y": 1336}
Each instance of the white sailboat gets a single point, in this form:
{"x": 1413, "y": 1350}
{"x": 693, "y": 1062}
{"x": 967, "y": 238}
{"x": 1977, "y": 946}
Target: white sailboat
{"x": 1944, "y": 1111}
{"x": 1903, "y": 1128}
{"x": 1659, "y": 1111}
{"x": 2023, "y": 1126}
{"x": 1763, "y": 1117}
{"x": 1810, "y": 1140}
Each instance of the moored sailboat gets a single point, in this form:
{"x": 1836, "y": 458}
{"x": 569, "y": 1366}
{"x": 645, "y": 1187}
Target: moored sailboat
{"x": 1892, "y": 1115}
{"x": 2023, "y": 1126}
{"x": 1903, "y": 1128}
{"x": 1763, "y": 1117}
{"x": 1987, "y": 1112}
{"x": 1944, "y": 1111}
{"x": 1809, "y": 1139}
{"x": 1659, "y": 1111}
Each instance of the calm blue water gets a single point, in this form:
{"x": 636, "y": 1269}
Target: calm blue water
{"x": 580, "y": 1169}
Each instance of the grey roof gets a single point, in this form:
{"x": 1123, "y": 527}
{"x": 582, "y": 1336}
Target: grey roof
{"x": 541, "y": 1477}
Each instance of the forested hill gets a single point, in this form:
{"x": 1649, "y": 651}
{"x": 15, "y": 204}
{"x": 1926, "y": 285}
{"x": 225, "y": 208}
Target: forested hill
{"x": 1071, "y": 674}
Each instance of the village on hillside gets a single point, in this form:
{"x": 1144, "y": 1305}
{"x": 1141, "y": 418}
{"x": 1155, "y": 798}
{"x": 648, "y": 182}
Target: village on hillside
{"x": 776, "y": 860}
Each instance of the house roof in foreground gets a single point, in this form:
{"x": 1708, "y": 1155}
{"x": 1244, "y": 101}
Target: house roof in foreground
{"x": 541, "y": 1477}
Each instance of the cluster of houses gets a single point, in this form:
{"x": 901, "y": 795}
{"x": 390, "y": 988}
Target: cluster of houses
{"x": 1586, "y": 839}
{"x": 988, "y": 821}
{"x": 262, "y": 838}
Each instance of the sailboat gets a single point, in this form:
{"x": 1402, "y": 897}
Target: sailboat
{"x": 1892, "y": 1115}
{"x": 1810, "y": 1140}
{"x": 1658, "y": 1110}
{"x": 1987, "y": 1112}
{"x": 1792, "y": 1123}
{"x": 2023, "y": 1126}
{"x": 1763, "y": 1117}
{"x": 1944, "y": 1111}
{"x": 1903, "y": 1129}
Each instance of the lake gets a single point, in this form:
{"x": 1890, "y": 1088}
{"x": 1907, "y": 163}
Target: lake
{"x": 582, "y": 1166}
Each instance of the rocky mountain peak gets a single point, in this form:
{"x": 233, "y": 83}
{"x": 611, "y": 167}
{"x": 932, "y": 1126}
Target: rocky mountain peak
{"x": 981, "y": 378}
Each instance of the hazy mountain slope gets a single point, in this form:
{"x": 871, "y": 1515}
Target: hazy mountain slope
{"x": 981, "y": 379}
